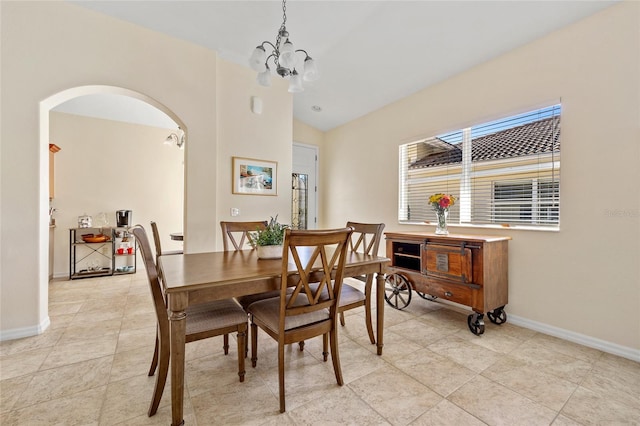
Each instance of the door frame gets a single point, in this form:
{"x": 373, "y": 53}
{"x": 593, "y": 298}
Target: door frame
{"x": 311, "y": 223}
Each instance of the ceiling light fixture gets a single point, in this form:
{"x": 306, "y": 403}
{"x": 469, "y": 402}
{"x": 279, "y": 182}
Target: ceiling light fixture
{"x": 285, "y": 60}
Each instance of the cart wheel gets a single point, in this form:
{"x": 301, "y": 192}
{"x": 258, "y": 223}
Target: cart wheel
{"x": 476, "y": 323}
{"x": 426, "y": 296}
{"x": 397, "y": 291}
{"x": 497, "y": 316}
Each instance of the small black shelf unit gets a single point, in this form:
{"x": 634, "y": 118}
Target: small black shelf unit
{"x": 88, "y": 260}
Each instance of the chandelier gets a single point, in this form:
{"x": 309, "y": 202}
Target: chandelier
{"x": 285, "y": 59}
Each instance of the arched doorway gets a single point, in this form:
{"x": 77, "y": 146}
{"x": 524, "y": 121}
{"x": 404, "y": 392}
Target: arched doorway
{"x": 46, "y": 108}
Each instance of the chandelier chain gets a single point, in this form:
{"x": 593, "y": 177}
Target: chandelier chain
{"x": 284, "y": 12}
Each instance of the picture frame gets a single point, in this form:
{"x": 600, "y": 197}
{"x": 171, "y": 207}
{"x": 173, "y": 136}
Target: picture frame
{"x": 251, "y": 176}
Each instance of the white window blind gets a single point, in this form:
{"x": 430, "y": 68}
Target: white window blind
{"x": 504, "y": 172}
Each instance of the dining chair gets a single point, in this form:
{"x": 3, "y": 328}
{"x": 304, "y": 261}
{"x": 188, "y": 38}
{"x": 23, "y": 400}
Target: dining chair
{"x": 156, "y": 241}
{"x": 204, "y": 320}
{"x": 237, "y": 233}
{"x": 364, "y": 239}
{"x": 304, "y": 313}
{"x": 234, "y": 236}
{"x": 159, "y": 252}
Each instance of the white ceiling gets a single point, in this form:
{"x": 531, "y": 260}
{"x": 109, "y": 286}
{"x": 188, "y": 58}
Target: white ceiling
{"x": 370, "y": 53}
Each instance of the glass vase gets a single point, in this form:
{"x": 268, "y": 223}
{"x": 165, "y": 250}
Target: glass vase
{"x": 441, "y": 225}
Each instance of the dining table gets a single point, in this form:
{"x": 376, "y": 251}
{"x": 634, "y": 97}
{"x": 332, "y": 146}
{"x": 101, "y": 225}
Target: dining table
{"x": 194, "y": 278}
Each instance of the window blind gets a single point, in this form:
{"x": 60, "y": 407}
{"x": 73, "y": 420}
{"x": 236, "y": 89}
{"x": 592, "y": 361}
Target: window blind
{"x": 504, "y": 172}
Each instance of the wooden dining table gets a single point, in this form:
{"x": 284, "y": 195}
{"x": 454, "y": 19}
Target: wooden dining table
{"x": 190, "y": 279}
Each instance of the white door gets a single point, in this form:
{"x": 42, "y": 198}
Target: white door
{"x": 305, "y": 207}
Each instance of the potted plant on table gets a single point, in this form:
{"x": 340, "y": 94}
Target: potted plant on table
{"x": 269, "y": 241}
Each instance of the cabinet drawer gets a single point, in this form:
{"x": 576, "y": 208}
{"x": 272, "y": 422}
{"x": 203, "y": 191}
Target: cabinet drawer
{"x": 455, "y": 293}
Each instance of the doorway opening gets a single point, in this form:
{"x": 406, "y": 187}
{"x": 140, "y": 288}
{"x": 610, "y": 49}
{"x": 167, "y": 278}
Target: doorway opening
{"x": 304, "y": 188}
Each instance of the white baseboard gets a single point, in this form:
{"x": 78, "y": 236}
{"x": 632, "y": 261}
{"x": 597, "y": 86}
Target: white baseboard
{"x": 592, "y": 342}
{"x": 18, "y": 333}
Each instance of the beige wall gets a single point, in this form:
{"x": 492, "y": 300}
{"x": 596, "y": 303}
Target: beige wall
{"x": 105, "y": 166}
{"x": 242, "y": 133}
{"x": 584, "y": 279}
{"x": 49, "y": 48}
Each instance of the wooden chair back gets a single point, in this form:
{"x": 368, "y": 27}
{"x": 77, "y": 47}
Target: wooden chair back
{"x": 156, "y": 239}
{"x": 152, "y": 273}
{"x": 366, "y": 237}
{"x": 237, "y": 233}
{"x": 316, "y": 254}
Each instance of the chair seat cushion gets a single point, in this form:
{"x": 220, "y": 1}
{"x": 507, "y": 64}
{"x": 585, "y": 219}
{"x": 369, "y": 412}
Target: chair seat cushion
{"x": 247, "y": 300}
{"x": 268, "y": 311}
{"x": 348, "y": 295}
{"x": 214, "y": 315}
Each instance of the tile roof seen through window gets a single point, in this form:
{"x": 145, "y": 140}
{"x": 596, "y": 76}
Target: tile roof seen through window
{"x": 533, "y": 138}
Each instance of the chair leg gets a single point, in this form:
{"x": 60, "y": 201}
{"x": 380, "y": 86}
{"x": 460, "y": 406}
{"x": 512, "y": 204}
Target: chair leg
{"x": 225, "y": 345}
{"x": 154, "y": 360}
{"x": 367, "y": 317}
{"x": 301, "y": 344}
{"x": 335, "y": 357}
{"x": 246, "y": 347}
{"x": 254, "y": 344}
{"x": 342, "y": 318}
{"x": 325, "y": 347}
{"x": 281, "y": 374}
{"x": 242, "y": 346}
{"x": 161, "y": 378}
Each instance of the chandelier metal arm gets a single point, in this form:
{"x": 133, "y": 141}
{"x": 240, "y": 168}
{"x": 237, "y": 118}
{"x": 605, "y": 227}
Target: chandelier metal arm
{"x": 306, "y": 55}
{"x": 269, "y": 43}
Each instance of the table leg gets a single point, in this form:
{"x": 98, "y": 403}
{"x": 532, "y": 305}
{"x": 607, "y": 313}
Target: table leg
{"x": 177, "y": 325}
{"x": 380, "y": 310}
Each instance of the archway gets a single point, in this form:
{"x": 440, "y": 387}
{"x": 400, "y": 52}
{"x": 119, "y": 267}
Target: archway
{"x": 46, "y": 107}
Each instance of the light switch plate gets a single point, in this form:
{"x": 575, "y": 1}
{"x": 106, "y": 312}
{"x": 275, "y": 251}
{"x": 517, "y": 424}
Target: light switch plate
{"x": 235, "y": 211}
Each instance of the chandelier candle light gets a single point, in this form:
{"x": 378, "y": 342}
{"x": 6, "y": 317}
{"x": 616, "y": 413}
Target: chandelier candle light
{"x": 285, "y": 59}
{"x": 441, "y": 204}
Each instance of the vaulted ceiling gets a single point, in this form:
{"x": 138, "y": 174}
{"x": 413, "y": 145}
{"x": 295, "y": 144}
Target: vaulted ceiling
{"x": 370, "y": 53}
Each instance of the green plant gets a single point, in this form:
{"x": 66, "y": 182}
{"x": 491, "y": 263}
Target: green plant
{"x": 272, "y": 235}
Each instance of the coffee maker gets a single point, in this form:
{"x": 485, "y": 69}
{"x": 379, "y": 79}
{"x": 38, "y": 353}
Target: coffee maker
{"x": 123, "y": 218}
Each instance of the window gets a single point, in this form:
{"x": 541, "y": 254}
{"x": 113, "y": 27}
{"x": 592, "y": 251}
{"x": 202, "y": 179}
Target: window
{"x": 505, "y": 172}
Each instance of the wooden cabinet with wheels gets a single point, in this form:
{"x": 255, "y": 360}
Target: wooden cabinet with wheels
{"x": 466, "y": 269}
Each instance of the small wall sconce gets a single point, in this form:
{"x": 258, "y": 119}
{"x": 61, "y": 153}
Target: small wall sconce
{"x": 174, "y": 138}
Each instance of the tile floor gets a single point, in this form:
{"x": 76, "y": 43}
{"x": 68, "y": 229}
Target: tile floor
{"x": 90, "y": 368}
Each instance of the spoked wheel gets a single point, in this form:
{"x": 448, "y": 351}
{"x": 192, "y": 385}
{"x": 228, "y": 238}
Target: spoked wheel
{"x": 497, "y": 316}
{"x": 426, "y": 296}
{"x": 476, "y": 323}
{"x": 397, "y": 291}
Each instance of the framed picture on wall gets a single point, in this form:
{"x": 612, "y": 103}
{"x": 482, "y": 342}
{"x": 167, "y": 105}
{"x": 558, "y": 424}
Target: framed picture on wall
{"x": 254, "y": 177}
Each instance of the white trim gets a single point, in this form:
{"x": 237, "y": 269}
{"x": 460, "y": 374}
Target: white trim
{"x": 18, "y": 333}
{"x": 581, "y": 339}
